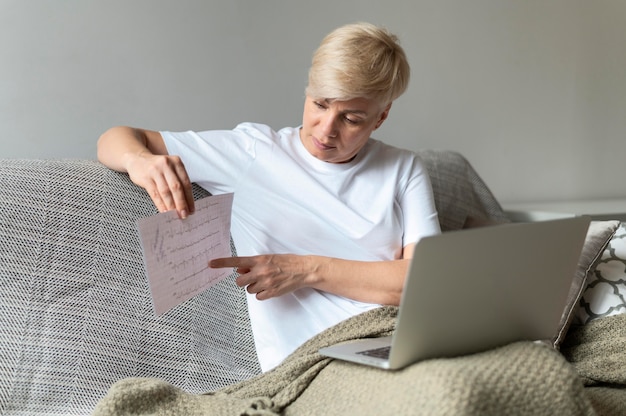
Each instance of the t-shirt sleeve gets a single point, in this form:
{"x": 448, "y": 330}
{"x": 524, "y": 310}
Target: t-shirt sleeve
{"x": 214, "y": 159}
{"x": 418, "y": 206}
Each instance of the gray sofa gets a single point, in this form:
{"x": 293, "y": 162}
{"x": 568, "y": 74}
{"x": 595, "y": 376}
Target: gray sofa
{"x": 75, "y": 310}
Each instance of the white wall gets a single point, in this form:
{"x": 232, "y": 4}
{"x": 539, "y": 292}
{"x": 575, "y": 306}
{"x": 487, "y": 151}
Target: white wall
{"x": 532, "y": 92}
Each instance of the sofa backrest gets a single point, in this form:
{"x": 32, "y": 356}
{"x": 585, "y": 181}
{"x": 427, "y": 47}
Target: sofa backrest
{"x": 461, "y": 196}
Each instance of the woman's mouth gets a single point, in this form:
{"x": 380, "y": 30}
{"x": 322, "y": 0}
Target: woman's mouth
{"x": 320, "y": 145}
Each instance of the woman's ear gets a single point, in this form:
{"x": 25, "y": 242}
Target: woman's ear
{"x": 383, "y": 116}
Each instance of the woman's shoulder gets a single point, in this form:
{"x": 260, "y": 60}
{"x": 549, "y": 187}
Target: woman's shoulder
{"x": 260, "y": 130}
{"x": 383, "y": 151}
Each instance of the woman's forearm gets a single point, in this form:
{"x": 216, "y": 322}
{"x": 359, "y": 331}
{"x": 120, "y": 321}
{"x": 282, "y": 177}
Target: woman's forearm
{"x": 116, "y": 144}
{"x": 374, "y": 282}
{"x": 119, "y": 146}
{"x": 273, "y": 275}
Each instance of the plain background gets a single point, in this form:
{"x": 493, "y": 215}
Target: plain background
{"x": 532, "y": 92}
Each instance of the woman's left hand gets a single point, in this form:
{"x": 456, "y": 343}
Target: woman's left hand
{"x": 269, "y": 276}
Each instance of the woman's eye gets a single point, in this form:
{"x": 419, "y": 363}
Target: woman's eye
{"x": 319, "y": 105}
{"x": 351, "y": 121}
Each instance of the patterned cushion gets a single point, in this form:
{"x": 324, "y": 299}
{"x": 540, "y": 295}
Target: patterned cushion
{"x": 598, "y": 236}
{"x": 605, "y": 294}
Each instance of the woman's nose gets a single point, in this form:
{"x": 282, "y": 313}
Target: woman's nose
{"x": 329, "y": 125}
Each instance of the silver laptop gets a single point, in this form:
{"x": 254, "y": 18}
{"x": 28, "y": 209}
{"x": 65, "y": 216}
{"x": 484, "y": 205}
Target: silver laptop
{"x": 471, "y": 290}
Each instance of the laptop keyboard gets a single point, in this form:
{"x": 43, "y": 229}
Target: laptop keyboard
{"x": 382, "y": 352}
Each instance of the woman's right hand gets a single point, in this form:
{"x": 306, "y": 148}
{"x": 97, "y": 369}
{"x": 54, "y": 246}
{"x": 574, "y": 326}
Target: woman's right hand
{"x": 165, "y": 179}
{"x": 143, "y": 155}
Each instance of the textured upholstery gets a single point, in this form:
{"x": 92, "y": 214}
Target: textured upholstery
{"x": 460, "y": 193}
{"x": 75, "y": 309}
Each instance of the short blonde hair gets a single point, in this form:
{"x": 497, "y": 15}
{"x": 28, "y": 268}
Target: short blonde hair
{"x": 359, "y": 60}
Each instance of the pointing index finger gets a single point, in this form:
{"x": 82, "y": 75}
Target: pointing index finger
{"x": 233, "y": 262}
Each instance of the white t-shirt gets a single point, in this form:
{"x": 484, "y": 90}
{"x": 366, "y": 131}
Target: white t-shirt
{"x": 288, "y": 201}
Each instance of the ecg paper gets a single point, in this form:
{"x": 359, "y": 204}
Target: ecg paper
{"x": 177, "y": 252}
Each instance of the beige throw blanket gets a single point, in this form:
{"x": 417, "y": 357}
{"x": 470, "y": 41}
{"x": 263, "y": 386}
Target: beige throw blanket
{"x": 519, "y": 379}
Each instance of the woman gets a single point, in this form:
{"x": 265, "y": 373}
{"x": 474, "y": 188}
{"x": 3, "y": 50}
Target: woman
{"x": 325, "y": 218}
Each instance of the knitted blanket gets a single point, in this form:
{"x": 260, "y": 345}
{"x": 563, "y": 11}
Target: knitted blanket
{"x": 598, "y": 351}
{"x": 522, "y": 378}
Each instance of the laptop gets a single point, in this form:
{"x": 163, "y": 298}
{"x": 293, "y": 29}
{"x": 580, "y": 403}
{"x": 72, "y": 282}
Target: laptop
{"x": 472, "y": 290}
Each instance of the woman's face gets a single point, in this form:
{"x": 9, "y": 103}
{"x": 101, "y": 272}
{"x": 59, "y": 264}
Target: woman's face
{"x": 334, "y": 131}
